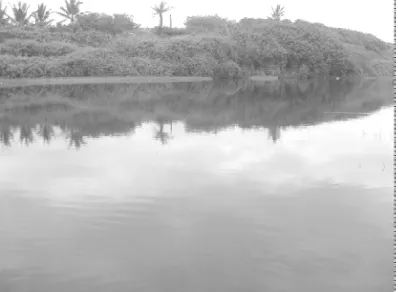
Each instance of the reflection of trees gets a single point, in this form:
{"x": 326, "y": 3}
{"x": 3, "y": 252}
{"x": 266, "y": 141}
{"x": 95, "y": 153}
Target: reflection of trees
{"x": 102, "y": 110}
{"x": 160, "y": 133}
{"x": 46, "y": 132}
{"x": 6, "y": 135}
{"x": 26, "y": 135}
{"x": 76, "y": 140}
{"x": 274, "y": 133}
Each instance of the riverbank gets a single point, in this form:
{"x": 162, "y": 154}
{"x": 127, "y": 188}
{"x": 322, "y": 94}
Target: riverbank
{"x": 250, "y": 47}
{"x": 6, "y": 83}
{"x": 23, "y": 82}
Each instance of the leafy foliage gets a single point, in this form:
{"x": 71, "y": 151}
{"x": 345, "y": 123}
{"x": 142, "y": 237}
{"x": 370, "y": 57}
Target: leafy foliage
{"x": 42, "y": 15}
{"x": 226, "y": 49}
{"x": 71, "y": 10}
{"x": 3, "y": 14}
{"x": 323, "y": 50}
{"x": 171, "y": 32}
{"x": 210, "y": 23}
{"x": 88, "y": 62}
{"x": 64, "y": 34}
{"x": 277, "y": 12}
{"x": 115, "y": 24}
{"x": 31, "y": 48}
{"x": 21, "y": 15}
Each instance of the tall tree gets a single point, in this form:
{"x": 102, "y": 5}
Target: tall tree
{"x": 42, "y": 15}
{"x": 71, "y": 10}
{"x": 21, "y": 15}
{"x": 3, "y": 14}
{"x": 278, "y": 12}
{"x": 160, "y": 10}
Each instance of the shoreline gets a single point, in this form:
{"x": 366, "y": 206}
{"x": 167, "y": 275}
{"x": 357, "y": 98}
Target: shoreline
{"x": 22, "y": 82}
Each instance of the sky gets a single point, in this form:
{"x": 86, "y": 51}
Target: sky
{"x": 375, "y": 17}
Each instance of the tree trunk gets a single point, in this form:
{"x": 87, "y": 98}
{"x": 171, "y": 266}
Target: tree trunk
{"x": 160, "y": 22}
{"x": 171, "y": 23}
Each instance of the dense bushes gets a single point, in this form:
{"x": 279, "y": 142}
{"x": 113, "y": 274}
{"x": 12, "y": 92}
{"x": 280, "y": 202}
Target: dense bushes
{"x": 115, "y": 24}
{"x": 86, "y": 62}
{"x": 220, "y": 48}
{"x": 64, "y": 34}
{"x": 322, "y": 50}
{"x": 96, "y": 62}
{"x": 210, "y": 23}
{"x": 32, "y": 48}
{"x": 169, "y": 31}
{"x": 227, "y": 70}
{"x": 203, "y": 65}
{"x": 252, "y": 45}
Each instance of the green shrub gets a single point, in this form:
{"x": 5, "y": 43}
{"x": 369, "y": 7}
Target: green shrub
{"x": 228, "y": 69}
{"x": 84, "y": 38}
{"x": 87, "y": 62}
{"x": 134, "y": 47}
{"x": 115, "y": 24}
{"x": 96, "y": 62}
{"x": 170, "y": 32}
{"x": 31, "y": 48}
{"x": 210, "y": 23}
{"x": 19, "y": 67}
{"x": 90, "y": 38}
{"x": 196, "y": 66}
{"x": 180, "y": 48}
{"x": 150, "y": 67}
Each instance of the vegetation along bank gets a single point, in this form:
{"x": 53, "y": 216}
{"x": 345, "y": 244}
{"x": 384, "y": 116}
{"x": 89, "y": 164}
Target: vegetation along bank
{"x": 93, "y": 44}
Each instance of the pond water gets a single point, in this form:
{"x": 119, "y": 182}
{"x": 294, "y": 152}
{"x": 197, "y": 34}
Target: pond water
{"x": 197, "y": 187}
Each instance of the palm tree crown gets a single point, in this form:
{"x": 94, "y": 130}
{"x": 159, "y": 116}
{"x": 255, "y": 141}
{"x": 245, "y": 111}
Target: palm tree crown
{"x": 278, "y": 12}
{"x": 159, "y": 10}
{"x": 42, "y": 15}
{"x": 21, "y": 15}
{"x": 71, "y": 10}
{"x": 3, "y": 14}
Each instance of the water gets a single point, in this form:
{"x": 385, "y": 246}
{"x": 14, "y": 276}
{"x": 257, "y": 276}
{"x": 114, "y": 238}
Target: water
{"x": 197, "y": 187}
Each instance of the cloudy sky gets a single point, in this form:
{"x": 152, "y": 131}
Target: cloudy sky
{"x": 375, "y": 17}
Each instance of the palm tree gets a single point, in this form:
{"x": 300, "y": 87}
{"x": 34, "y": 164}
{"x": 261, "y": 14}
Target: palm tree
{"x": 42, "y": 15}
{"x": 3, "y": 14}
{"x": 21, "y": 15}
{"x": 159, "y": 10}
{"x": 277, "y": 12}
{"x": 71, "y": 10}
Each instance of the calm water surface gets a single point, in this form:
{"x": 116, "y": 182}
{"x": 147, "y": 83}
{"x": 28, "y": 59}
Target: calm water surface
{"x": 197, "y": 187}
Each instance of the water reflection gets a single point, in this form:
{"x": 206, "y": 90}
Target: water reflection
{"x": 89, "y": 111}
{"x": 197, "y": 187}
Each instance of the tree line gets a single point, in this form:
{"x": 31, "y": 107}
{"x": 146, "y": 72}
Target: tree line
{"x": 71, "y": 12}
